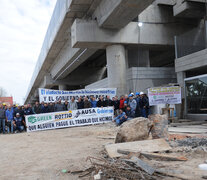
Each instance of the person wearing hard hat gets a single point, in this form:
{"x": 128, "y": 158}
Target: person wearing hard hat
{"x": 138, "y": 110}
{"x": 132, "y": 103}
{"x": 144, "y": 105}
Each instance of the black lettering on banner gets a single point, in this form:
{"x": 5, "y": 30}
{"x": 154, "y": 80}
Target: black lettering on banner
{"x": 45, "y": 98}
{"x": 72, "y": 123}
{"x": 63, "y": 116}
{"x": 61, "y": 123}
{"x": 45, "y": 126}
{"x": 94, "y": 120}
{"x": 32, "y": 128}
{"x": 103, "y": 119}
{"x": 83, "y": 121}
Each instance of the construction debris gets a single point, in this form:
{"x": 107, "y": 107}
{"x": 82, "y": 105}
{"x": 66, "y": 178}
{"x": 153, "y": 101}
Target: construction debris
{"x": 160, "y": 126}
{"x": 133, "y": 130}
{"x": 156, "y": 145}
{"x": 162, "y": 157}
{"x": 141, "y": 164}
{"x": 124, "y": 169}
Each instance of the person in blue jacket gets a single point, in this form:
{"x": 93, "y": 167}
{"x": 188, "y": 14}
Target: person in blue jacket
{"x": 9, "y": 119}
{"x": 93, "y": 102}
{"x": 121, "y": 118}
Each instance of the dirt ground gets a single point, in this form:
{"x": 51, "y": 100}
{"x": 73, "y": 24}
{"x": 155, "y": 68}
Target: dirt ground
{"x": 42, "y": 155}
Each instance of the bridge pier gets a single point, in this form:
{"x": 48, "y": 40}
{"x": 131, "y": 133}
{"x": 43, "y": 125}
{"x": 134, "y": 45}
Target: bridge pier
{"x": 116, "y": 68}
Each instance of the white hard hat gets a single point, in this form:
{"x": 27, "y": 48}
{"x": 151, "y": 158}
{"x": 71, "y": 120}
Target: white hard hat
{"x": 141, "y": 93}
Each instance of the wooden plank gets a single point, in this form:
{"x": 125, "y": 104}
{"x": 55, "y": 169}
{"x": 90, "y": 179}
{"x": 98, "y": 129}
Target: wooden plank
{"x": 163, "y": 157}
{"x": 141, "y": 164}
{"x": 155, "y": 145}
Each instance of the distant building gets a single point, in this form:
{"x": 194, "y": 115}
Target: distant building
{"x": 7, "y": 100}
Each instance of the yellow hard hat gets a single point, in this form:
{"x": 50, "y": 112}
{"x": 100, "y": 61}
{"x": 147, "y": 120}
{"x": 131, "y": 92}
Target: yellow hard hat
{"x": 4, "y": 104}
{"x": 17, "y": 105}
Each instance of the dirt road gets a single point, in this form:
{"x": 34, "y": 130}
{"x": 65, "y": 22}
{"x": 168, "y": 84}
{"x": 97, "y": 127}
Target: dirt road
{"x": 42, "y": 155}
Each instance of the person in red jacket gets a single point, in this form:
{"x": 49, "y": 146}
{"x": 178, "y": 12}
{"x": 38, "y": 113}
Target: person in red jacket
{"x": 121, "y": 102}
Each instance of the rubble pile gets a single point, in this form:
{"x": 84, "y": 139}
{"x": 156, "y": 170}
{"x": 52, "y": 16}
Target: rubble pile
{"x": 192, "y": 142}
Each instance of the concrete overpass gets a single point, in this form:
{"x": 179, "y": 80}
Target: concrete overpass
{"x": 90, "y": 42}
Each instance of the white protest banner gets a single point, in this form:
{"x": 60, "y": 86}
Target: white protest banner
{"x": 80, "y": 117}
{"x": 50, "y": 95}
{"x": 164, "y": 95}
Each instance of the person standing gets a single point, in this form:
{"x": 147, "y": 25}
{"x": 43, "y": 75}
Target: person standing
{"x": 45, "y": 109}
{"x": 93, "y": 102}
{"x": 66, "y": 105}
{"x": 138, "y": 110}
{"x": 59, "y": 106}
{"x": 143, "y": 105}
{"x": 27, "y": 110}
{"x": 9, "y": 119}
{"x": 116, "y": 103}
{"x": 132, "y": 103}
{"x": 72, "y": 105}
{"x": 87, "y": 103}
{"x": 80, "y": 103}
{"x": 37, "y": 108}
{"x": 101, "y": 102}
{"x": 51, "y": 107}
{"x": 121, "y": 102}
{"x": 108, "y": 101}
{"x": 2, "y": 118}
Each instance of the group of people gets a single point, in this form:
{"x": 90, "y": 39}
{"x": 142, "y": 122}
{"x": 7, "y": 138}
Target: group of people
{"x": 12, "y": 118}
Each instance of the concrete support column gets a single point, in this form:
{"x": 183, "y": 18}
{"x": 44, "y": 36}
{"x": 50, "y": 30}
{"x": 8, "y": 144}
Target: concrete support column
{"x": 180, "y": 108}
{"x": 116, "y": 68}
{"x": 62, "y": 87}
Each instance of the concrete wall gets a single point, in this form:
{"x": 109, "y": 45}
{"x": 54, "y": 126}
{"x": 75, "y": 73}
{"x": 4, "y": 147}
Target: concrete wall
{"x": 99, "y": 84}
{"x": 142, "y": 78}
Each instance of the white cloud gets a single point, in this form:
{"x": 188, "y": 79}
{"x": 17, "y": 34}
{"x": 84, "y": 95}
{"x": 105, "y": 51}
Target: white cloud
{"x": 23, "y": 25}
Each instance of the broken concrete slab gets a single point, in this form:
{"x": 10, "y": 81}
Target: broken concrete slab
{"x": 133, "y": 130}
{"x": 156, "y": 145}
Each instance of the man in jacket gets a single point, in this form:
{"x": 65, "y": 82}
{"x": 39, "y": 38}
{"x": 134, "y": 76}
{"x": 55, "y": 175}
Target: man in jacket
{"x": 59, "y": 106}
{"x": 93, "y": 102}
{"x": 9, "y": 119}
{"x": 37, "y": 108}
{"x": 2, "y": 118}
{"x": 144, "y": 105}
{"x": 129, "y": 113}
{"x": 19, "y": 123}
{"x": 121, "y": 118}
{"x": 87, "y": 103}
{"x": 80, "y": 103}
{"x": 138, "y": 110}
{"x": 101, "y": 102}
{"x": 132, "y": 103}
{"x": 108, "y": 101}
{"x": 72, "y": 105}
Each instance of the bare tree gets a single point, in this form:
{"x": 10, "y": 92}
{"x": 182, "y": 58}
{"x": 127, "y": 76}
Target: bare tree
{"x": 2, "y": 92}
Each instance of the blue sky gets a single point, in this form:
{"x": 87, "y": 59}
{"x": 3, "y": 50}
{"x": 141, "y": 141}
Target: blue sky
{"x": 23, "y": 25}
